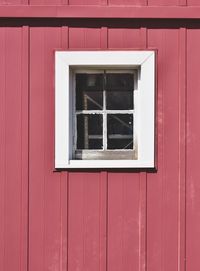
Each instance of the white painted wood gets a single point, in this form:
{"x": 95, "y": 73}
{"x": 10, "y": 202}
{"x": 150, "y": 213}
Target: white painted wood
{"x": 144, "y": 109}
{"x": 61, "y": 112}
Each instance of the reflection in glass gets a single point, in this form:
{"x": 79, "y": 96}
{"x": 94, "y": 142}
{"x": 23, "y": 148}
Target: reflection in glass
{"x": 119, "y": 81}
{"x": 119, "y": 91}
{"x": 119, "y": 100}
{"x": 120, "y": 131}
{"x": 89, "y": 91}
{"x": 89, "y": 131}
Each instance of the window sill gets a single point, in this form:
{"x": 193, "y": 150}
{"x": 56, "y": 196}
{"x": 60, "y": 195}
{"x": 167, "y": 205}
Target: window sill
{"x": 73, "y": 164}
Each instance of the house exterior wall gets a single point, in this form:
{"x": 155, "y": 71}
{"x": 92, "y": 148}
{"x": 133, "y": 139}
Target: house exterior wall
{"x": 105, "y": 220}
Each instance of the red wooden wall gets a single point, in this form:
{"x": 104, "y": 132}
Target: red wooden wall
{"x": 98, "y": 220}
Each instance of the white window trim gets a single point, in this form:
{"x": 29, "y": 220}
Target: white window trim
{"x": 65, "y": 61}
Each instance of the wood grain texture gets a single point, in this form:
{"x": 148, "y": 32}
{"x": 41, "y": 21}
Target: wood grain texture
{"x": 86, "y": 222}
{"x": 128, "y": 2}
{"x": 14, "y": 2}
{"x": 193, "y": 148}
{"x": 182, "y": 146}
{"x": 45, "y": 186}
{"x": 163, "y": 2}
{"x": 14, "y": 148}
{"x": 105, "y": 12}
{"x": 123, "y": 217}
{"x": 84, "y": 38}
{"x": 163, "y": 187}
{"x": 98, "y": 220}
{"x": 85, "y": 2}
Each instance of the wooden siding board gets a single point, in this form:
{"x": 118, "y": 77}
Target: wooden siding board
{"x": 193, "y": 148}
{"x": 13, "y": 163}
{"x": 47, "y": 2}
{"x": 193, "y": 3}
{"x": 124, "y": 38}
{"x": 182, "y": 146}
{"x": 85, "y": 222}
{"x": 100, "y": 12}
{"x": 163, "y": 2}
{"x": 25, "y": 147}
{"x": 36, "y": 196}
{"x": 123, "y": 221}
{"x": 162, "y": 187}
{"x": 13, "y": 148}
{"x": 80, "y": 37}
{"x": 85, "y": 2}
{"x": 45, "y": 197}
{"x": 2, "y": 146}
{"x": 127, "y": 2}
{"x": 13, "y": 2}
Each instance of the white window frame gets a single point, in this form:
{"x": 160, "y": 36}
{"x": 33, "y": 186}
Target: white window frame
{"x": 144, "y": 62}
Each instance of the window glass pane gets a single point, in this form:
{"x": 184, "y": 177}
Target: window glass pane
{"x": 119, "y": 100}
{"x": 119, "y": 91}
{"x": 119, "y": 81}
{"x": 89, "y": 91}
{"x": 89, "y": 131}
{"x": 120, "y": 131}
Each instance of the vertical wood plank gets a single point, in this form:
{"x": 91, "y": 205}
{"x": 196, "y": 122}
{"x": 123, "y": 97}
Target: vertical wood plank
{"x": 192, "y": 154}
{"x": 127, "y": 2}
{"x": 182, "y": 152}
{"x": 80, "y": 37}
{"x": 45, "y": 185}
{"x": 104, "y": 38}
{"x": 48, "y": 2}
{"x": 86, "y": 224}
{"x": 163, "y": 186}
{"x": 64, "y": 188}
{"x": 123, "y": 218}
{"x": 13, "y": 2}
{"x": 14, "y": 149}
{"x": 103, "y": 220}
{"x": 25, "y": 146}
{"x": 182, "y": 2}
{"x": 104, "y": 2}
{"x": 124, "y": 38}
{"x": 163, "y": 2}
{"x": 37, "y": 176}
{"x": 193, "y": 3}
{"x": 142, "y": 222}
{"x": 85, "y": 2}
{"x": 2, "y": 145}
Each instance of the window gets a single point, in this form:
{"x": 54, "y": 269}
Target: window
{"x": 104, "y": 114}
{"x": 104, "y": 109}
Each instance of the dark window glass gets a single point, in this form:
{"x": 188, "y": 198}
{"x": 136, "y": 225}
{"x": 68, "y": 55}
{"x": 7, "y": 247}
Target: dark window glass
{"x": 89, "y": 91}
{"x": 119, "y": 91}
{"x": 119, "y": 100}
{"x": 119, "y": 81}
{"x": 89, "y": 131}
{"x": 120, "y": 131}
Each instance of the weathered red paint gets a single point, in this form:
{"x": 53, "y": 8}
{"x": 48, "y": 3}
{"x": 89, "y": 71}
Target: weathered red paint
{"x": 93, "y": 11}
{"x": 98, "y": 220}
